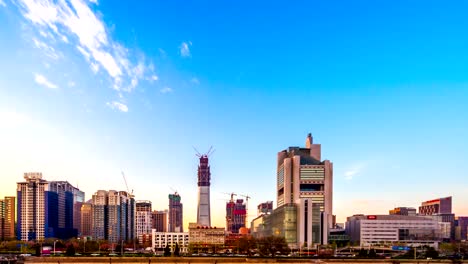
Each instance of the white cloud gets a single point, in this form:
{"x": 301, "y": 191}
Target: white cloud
{"x": 354, "y": 171}
{"x": 2, "y": 3}
{"x": 154, "y": 77}
{"x": 48, "y": 50}
{"x": 195, "y": 81}
{"x": 75, "y": 21}
{"x": 185, "y": 49}
{"x": 118, "y": 105}
{"x": 166, "y": 90}
{"x": 71, "y": 84}
{"x": 42, "y": 80}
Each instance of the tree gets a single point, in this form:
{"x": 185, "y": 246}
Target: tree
{"x": 167, "y": 251}
{"x": 70, "y": 250}
{"x": 431, "y": 253}
{"x": 176, "y": 250}
{"x": 372, "y": 253}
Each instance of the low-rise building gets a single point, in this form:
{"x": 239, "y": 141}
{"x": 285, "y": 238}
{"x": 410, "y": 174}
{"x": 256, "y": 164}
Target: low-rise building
{"x": 371, "y": 230}
{"x": 206, "y": 236}
{"x": 162, "y": 239}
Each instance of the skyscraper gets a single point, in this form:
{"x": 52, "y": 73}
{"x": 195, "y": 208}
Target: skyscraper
{"x": 86, "y": 219}
{"x": 175, "y": 213}
{"x": 204, "y": 177}
{"x": 45, "y": 209}
{"x": 113, "y": 216}
{"x": 305, "y": 180}
{"x": 143, "y": 221}
{"x": 7, "y": 218}
{"x": 159, "y": 220}
{"x": 99, "y": 215}
{"x": 236, "y": 214}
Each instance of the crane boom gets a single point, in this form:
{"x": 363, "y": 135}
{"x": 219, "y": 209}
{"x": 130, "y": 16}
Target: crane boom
{"x": 126, "y": 185}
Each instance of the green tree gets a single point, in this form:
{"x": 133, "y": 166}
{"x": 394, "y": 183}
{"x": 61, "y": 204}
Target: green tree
{"x": 176, "y": 250}
{"x": 70, "y": 250}
{"x": 167, "y": 251}
{"x": 431, "y": 253}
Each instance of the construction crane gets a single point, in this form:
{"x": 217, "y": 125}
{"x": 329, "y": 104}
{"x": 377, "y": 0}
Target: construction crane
{"x": 232, "y": 195}
{"x": 247, "y": 197}
{"x": 208, "y": 153}
{"x": 126, "y": 185}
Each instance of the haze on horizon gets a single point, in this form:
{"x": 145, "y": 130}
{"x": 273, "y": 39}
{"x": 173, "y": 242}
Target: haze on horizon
{"x": 92, "y": 88}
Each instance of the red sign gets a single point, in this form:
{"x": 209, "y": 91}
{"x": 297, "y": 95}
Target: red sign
{"x": 371, "y": 217}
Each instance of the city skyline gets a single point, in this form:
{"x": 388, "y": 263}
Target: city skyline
{"x": 382, "y": 89}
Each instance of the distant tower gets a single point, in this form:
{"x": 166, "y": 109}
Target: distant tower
{"x": 204, "y": 176}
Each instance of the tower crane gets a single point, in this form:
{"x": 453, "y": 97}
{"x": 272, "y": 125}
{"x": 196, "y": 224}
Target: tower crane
{"x": 247, "y": 197}
{"x": 126, "y": 185}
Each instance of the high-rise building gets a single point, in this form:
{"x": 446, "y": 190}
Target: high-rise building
{"x": 265, "y": 208}
{"x": 113, "y": 216}
{"x": 403, "y": 211}
{"x": 236, "y": 214}
{"x": 7, "y": 218}
{"x": 436, "y": 206}
{"x": 99, "y": 215}
{"x": 143, "y": 221}
{"x": 462, "y": 228}
{"x": 305, "y": 180}
{"x": 86, "y": 218}
{"x": 45, "y": 209}
{"x": 204, "y": 177}
{"x": 159, "y": 220}
{"x": 175, "y": 214}
{"x": 78, "y": 200}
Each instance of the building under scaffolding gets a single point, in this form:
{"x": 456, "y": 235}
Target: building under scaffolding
{"x": 236, "y": 214}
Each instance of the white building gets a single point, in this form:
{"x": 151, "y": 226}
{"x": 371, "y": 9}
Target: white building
{"x": 161, "y": 239}
{"x": 371, "y": 230}
{"x": 143, "y": 221}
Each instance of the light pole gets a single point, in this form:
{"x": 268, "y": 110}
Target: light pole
{"x": 121, "y": 248}
{"x": 54, "y": 246}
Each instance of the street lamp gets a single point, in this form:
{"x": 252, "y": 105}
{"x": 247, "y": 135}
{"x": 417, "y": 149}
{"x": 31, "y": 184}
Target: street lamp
{"x": 54, "y": 246}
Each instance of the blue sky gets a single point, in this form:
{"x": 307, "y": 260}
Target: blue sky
{"x": 90, "y": 88}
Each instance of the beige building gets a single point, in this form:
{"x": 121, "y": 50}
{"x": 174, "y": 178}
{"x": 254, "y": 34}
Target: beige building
{"x": 304, "y": 179}
{"x": 206, "y": 236}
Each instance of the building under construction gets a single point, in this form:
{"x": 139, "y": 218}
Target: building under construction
{"x": 236, "y": 215}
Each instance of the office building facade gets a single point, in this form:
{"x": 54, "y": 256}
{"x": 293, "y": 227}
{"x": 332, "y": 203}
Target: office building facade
{"x": 143, "y": 221}
{"x": 159, "y": 220}
{"x": 162, "y": 239}
{"x": 113, "y": 216}
{"x": 86, "y": 219}
{"x": 44, "y": 209}
{"x": 7, "y": 218}
{"x": 389, "y": 230}
{"x": 176, "y": 220}
{"x": 305, "y": 180}
{"x": 436, "y": 206}
{"x": 403, "y": 211}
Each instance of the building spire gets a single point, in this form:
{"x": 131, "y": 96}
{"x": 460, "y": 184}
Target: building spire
{"x": 309, "y": 140}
